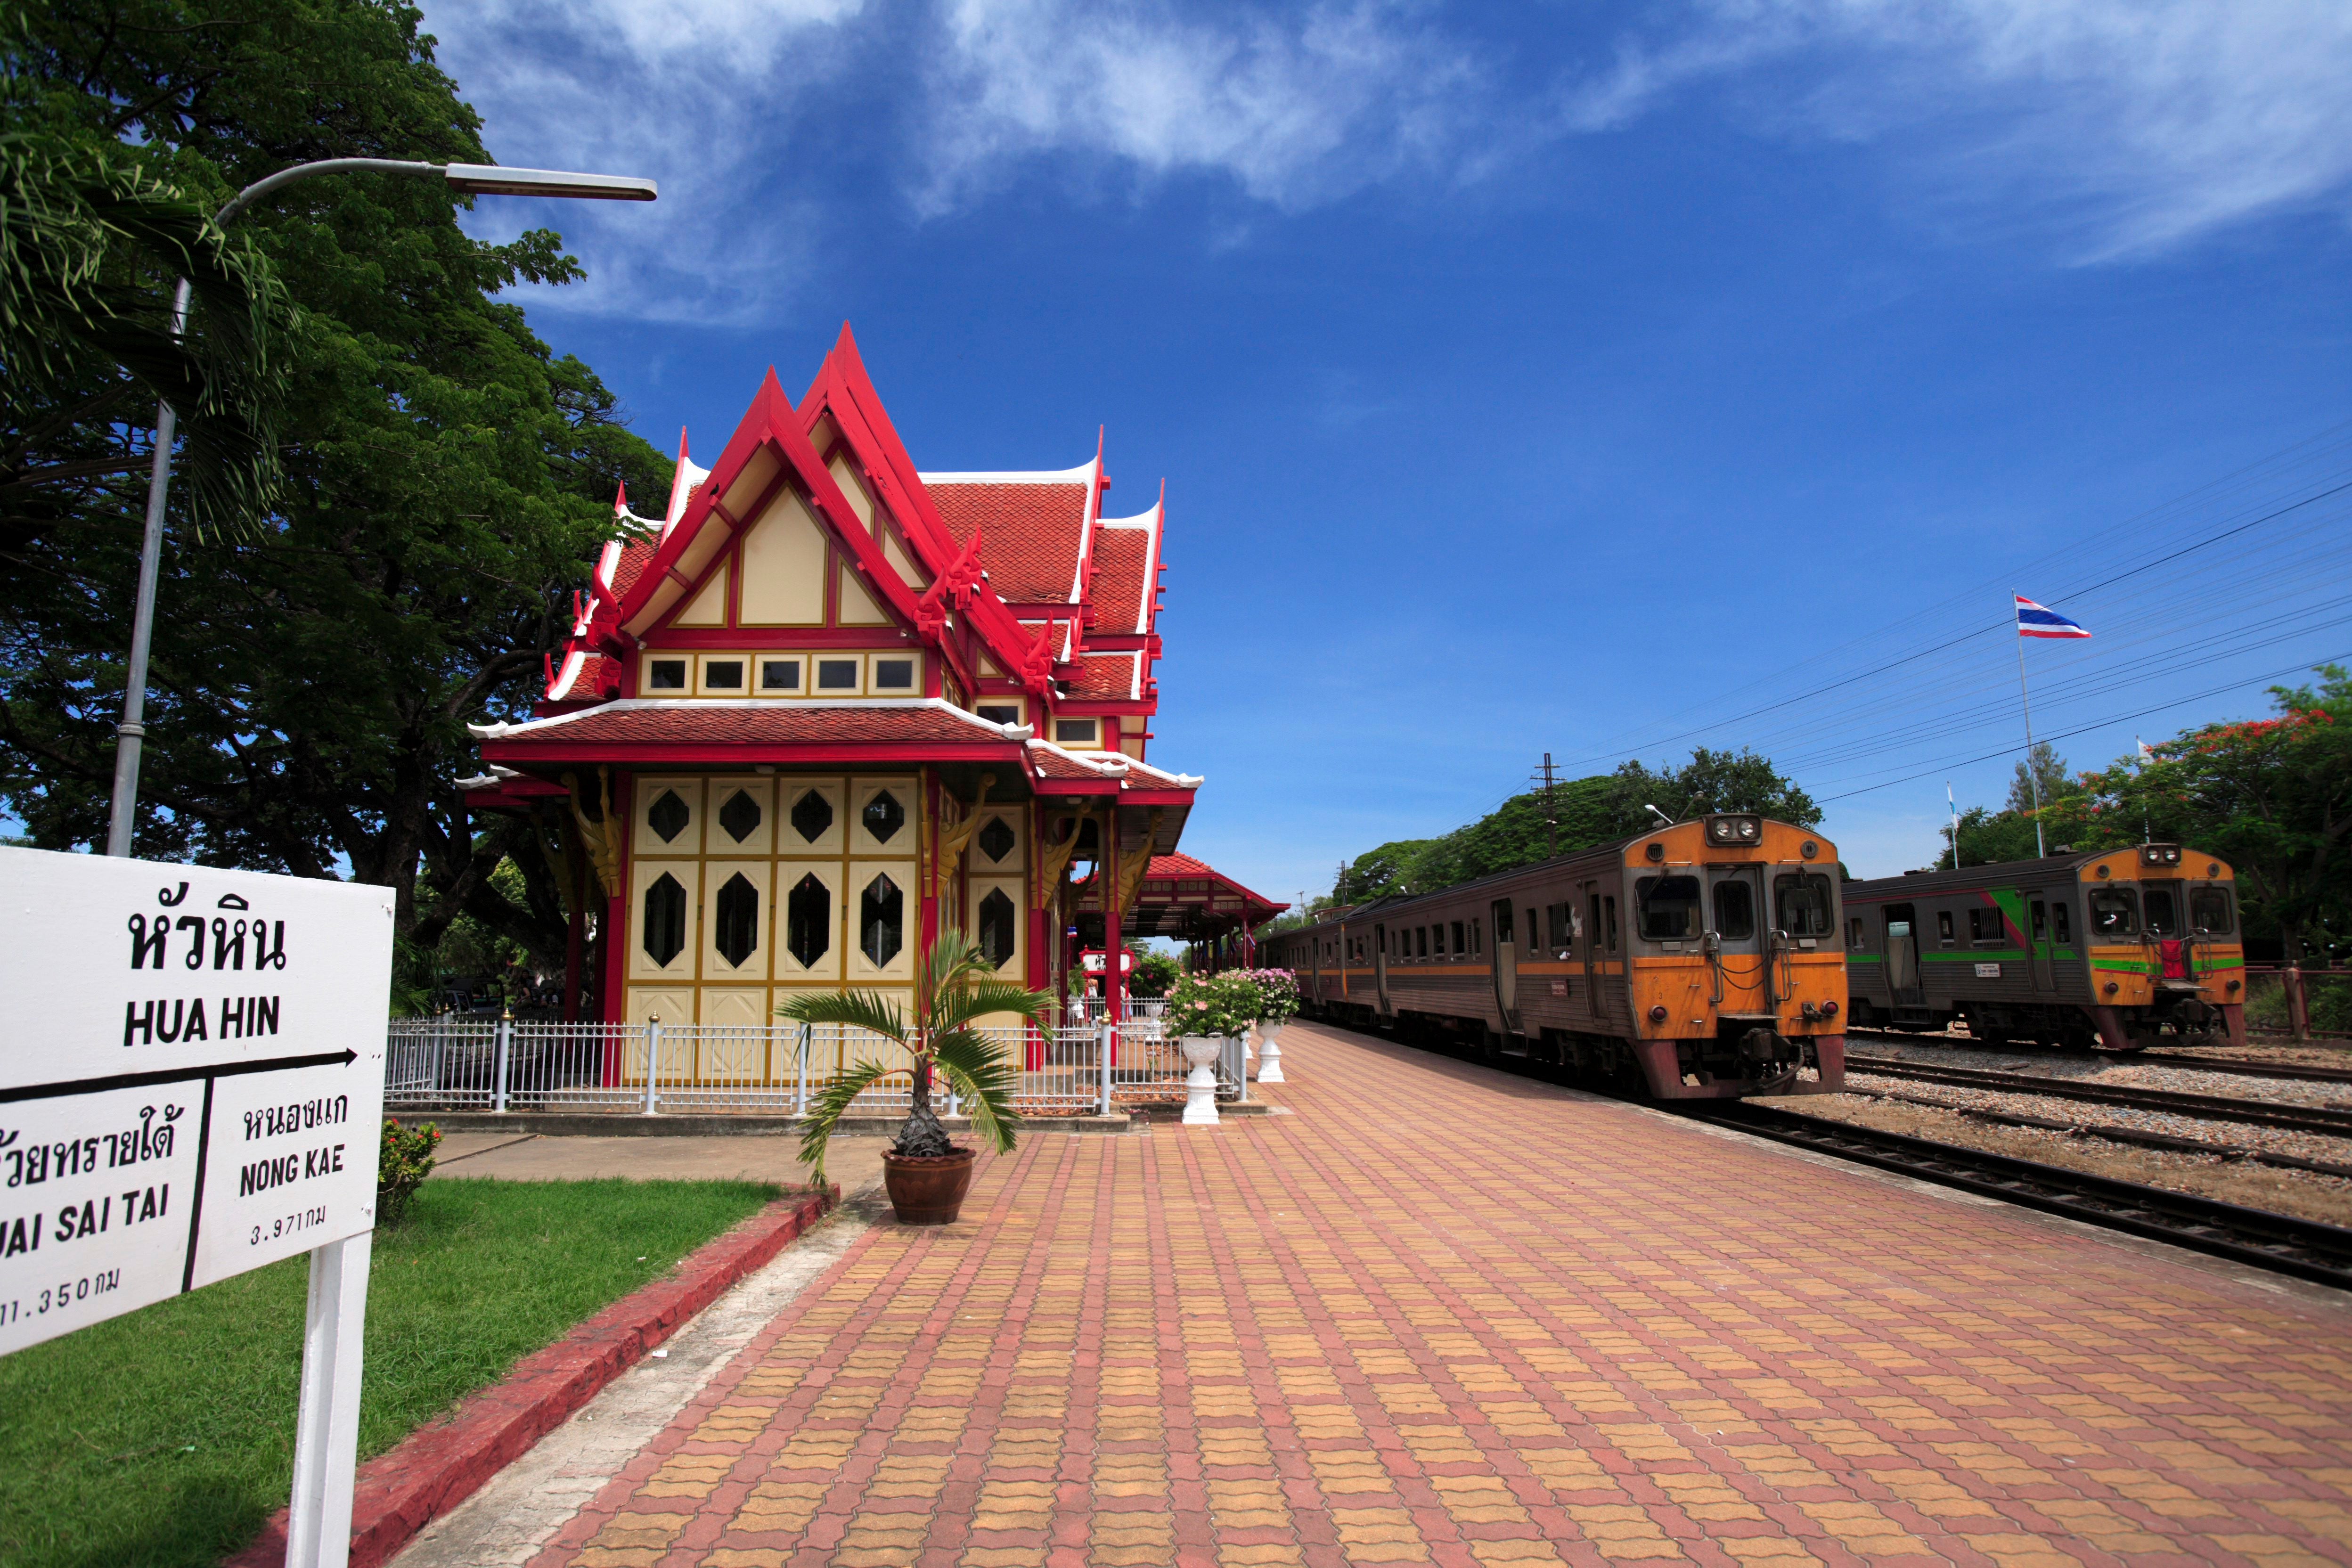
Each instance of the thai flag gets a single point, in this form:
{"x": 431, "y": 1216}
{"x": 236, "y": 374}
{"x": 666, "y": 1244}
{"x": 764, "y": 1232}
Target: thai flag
{"x": 2034, "y": 621}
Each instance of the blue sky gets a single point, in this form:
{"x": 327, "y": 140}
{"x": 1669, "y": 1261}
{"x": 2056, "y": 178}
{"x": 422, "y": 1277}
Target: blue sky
{"x": 1588, "y": 378}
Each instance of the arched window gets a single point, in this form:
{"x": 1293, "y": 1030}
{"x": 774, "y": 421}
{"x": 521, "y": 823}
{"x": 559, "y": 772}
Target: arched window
{"x": 882, "y": 921}
{"x": 665, "y": 922}
{"x": 808, "y": 920}
{"x": 738, "y": 934}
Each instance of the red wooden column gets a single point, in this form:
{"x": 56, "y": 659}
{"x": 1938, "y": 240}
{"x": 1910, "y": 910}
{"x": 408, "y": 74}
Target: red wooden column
{"x": 927, "y": 923}
{"x": 1038, "y": 972}
{"x": 617, "y": 822}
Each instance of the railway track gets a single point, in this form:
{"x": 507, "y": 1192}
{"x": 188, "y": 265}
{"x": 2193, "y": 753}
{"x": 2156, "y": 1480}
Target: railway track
{"x": 2206, "y": 1107}
{"x": 2301, "y": 1247}
{"x": 2142, "y": 1058}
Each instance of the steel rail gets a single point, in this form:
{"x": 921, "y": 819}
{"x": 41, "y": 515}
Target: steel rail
{"x": 2301, "y": 1247}
{"x": 2146, "y": 1058}
{"x": 2204, "y": 1107}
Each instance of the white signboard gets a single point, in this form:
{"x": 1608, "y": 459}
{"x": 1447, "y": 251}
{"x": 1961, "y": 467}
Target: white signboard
{"x": 190, "y": 1078}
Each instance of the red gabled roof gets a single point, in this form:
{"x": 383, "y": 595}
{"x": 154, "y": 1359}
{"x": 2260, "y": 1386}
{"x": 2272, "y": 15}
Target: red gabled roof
{"x": 1106, "y": 677}
{"x": 1032, "y": 529}
{"x": 640, "y": 722}
{"x": 1122, "y": 567}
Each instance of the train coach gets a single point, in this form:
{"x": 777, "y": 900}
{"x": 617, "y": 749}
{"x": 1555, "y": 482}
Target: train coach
{"x": 2117, "y": 948}
{"x": 1697, "y": 961}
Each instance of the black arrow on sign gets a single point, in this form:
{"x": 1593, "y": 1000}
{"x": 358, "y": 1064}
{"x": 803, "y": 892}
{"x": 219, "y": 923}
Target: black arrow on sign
{"x": 175, "y": 1075}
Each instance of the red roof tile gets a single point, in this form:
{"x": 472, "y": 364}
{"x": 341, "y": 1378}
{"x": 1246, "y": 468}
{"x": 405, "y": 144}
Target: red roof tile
{"x": 737, "y": 723}
{"x": 1121, "y": 557}
{"x": 1048, "y": 763}
{"x": 635, "y": 558}
{"x": 1029, "y": 534}
{"x": 1105, "y": 677}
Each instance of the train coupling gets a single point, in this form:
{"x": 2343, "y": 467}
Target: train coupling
{"x": 1769, "y": 1051}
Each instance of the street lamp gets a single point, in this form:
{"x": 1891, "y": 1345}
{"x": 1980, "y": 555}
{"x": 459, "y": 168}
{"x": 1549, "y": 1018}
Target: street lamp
{"x": 464, "y": 179}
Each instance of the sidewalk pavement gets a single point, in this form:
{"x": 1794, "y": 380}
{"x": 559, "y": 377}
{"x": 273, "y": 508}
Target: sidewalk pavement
{"x": 854, "y": 1163}
{"x": 1443, "y": 1315}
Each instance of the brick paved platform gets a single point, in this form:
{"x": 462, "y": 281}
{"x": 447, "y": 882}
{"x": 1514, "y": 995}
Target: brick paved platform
{"x": 1443, "y": 1315}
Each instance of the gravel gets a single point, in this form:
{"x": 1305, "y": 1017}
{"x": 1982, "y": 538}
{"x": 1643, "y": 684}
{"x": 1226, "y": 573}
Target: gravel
{"x": 2305, "y": 1195}
{"x": 2136, "y": 1072}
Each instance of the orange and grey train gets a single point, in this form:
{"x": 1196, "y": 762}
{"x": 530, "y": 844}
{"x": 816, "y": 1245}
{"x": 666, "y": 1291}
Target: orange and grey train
{"x": 2114, "y": 947}
{"x": 1695, "y": 962}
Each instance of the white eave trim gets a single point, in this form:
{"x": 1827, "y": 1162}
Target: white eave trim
{"x": 771, "y": 704}
{"x": 1084, "y": 473}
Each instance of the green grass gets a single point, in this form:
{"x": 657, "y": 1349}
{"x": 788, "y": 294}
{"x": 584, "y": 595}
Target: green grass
{"x": 165, "y": 1438}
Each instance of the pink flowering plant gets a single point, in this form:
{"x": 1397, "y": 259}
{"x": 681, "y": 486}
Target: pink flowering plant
{"x": 1223, "y": 1005}
{"x": 1277, "y": 993}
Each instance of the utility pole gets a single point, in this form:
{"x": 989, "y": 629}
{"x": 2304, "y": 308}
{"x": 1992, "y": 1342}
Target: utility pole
{"x": 1551, "y": 814}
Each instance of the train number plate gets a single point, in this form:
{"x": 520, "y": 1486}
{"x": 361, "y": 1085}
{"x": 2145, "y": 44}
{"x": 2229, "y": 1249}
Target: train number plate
{"x": 1560, "y": 987}
{"x": 1987, "y": 972}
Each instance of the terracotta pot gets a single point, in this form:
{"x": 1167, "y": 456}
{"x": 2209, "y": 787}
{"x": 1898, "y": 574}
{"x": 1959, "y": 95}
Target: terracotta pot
{"x": 927, "y": 1191}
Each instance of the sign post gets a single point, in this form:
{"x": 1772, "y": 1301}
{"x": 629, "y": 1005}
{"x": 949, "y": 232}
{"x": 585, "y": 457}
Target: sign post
{"x": 191, "y": 1086}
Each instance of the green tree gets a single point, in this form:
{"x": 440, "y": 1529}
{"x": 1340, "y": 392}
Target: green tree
{"x": 2271, "y": 797}
{"x": 447, "y": 479}
{"x": 2048, "y": 774}
{"x": 1710, "y": 781}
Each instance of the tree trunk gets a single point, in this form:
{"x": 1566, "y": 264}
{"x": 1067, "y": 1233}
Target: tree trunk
{"x": 923, "y": 1136}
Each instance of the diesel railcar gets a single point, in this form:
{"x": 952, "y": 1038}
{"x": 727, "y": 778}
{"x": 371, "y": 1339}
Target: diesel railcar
{"x": 1694, "y": 961}
{"x": 2116, "y": 947}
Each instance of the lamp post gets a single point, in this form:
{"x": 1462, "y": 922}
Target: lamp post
{"x": 464, "y": 179}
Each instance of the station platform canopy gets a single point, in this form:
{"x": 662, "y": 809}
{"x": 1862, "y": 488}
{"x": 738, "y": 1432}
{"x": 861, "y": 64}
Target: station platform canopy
{"x": 1182, "y": 899}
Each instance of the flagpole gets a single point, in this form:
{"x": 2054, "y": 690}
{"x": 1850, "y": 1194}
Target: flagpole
{"x": 2032, "y": 776}
{"x": 1954, "y": 808}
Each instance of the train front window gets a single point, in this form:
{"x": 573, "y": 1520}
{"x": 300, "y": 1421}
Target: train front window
{"x": 1667, "y": 907}
{"x": 1801, "y": 903}
{"x": 2209, "y": 910}
{"x": 1735, "y": 910}
{"x": 2115, "y": 914}
{"x": 2161, "y": 909}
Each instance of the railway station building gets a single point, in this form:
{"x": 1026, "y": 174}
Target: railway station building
{"x": 826, "y": 706}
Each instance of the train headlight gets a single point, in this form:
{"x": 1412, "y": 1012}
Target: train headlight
{"x": 1734, "y": 829}
{"x": 1809, "y": 849}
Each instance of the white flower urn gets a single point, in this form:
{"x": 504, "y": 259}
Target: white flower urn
{"x": 1201, "y": 1054}
{"x": 1269, "y": 1056}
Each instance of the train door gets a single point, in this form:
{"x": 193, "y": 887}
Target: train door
{"x": 2160, "y": 917}
{"x": 1381, "y": 967}
{"x": 1587, "y": 939}
{"x": 1735, "y": 914}
{"x": 1903, "y": 959}
{"x": 2037, "y": 943}
{"x": 1507, "y": 965}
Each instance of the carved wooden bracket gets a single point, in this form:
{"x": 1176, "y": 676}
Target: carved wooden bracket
{"x": 953, "y": 840}
{"x": 603, "y": 839}
{"x": 1053, "y": 861}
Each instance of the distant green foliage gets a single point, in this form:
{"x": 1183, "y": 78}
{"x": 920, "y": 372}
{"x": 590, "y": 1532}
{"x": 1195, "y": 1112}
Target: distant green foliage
{"x": 1575, "y": 814}
{"x": 1154, "y": 972}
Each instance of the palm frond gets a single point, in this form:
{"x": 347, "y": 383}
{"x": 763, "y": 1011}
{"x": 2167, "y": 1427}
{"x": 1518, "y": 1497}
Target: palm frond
{"x": 984, "y": 1077}
{"x": 825, "y": 1112}
{"x": 959, "y": 1006}
{"x": 854, "y": 1009}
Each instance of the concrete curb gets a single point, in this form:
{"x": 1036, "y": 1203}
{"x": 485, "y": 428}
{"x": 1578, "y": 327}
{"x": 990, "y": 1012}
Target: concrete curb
{"x": 611, "y": 1124}
{"x": 439, "y": 1466}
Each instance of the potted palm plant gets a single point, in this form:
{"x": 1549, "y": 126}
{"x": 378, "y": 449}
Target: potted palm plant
{"x": 925, "y": 1174}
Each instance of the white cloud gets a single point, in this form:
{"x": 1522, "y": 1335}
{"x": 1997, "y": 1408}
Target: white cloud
{"x": 1296, "y": 107}
{"x": 2136, "y": 124}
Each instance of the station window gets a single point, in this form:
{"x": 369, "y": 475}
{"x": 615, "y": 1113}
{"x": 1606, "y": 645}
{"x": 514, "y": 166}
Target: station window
{"x": 665, "y": 675}
{"x": 1000, "y": 713}
{"x": 1076, "y": 732}
{"x": 836, "y": 675}
{"x": 1667, "y": 907}
{"x": 722, "y": 675}
{"x": 2209, "y": 910}
{"x": 779, "y": 675}
{"x": 894, "y": 675}
{"x": 1944, "y": 926}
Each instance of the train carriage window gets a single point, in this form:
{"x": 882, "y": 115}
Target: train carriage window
{"x": 1502, "y": 937}
{"x": 1533, "y": 935}
{"x": 2039, "y": 917}
{"x": 1984, "y": 925}
{"x": 2209, "y": 910}
{"x": 2115, "y": 914}
{"x": 1476, "y": 944}
{"x": 1735, "y": 910}
{"x": 1459, "y": 949}
{"x": 1666, "y": 908}
{"x": 1421, "y": 941}
{"x": 1944, "y": 926}
{"x": 1559, "y": 931}
{"x": 1801, "y": 903}
{"x": 1609, "y": 920}
{"x": 2060, "y": 924}
{"x": 2161, "y": 911}
{"x": 1854, "y": 941}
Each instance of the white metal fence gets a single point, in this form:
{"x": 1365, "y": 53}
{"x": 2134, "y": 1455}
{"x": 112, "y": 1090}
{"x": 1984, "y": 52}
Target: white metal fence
{"x": 468, "y": 1064}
